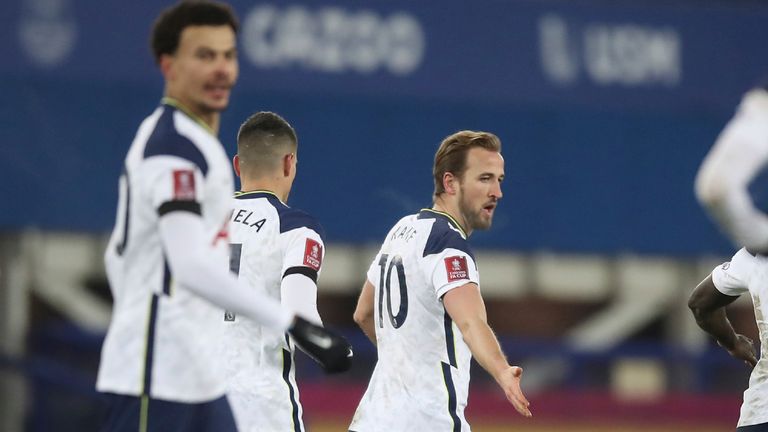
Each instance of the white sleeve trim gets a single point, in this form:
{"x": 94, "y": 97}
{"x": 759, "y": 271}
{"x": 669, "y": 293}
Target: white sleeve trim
{"x": 727, "y": 288}
{"x": 445, "y": 288}
{"x": 732, "y": 278}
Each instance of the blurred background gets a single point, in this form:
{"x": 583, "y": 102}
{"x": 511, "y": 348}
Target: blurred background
{"x": 605, "y": 109}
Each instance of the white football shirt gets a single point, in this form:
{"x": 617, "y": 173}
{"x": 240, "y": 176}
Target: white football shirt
{"x": 749, "y": 273}
{"x": 162, "y": 341}
{"x": 269, "y": 242}
{"x": 421, "y": 380}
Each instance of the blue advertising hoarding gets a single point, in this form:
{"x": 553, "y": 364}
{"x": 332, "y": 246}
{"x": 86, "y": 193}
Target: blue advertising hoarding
{"x": 605, "y": 109}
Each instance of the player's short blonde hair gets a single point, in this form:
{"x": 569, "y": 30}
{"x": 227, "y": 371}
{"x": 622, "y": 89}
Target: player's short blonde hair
{"x": 452, "y": 155}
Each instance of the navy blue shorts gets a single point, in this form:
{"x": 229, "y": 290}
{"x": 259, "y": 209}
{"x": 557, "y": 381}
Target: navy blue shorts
{"x": 762, "y": 427}
{"x": 143, "y": 414}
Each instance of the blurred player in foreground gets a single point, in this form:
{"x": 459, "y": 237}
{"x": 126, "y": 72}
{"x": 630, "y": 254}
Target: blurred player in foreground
{"x": 731, "y": 186}
{"x": 731, "y": 182}
{"x": 421, "y": 304}
{"x": 167, "y": 257}
{"x": 278, "y": 251}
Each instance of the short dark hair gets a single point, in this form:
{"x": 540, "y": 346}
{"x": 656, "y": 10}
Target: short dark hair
{"x": 262, "y": 140}
{"x": 452, "y": 155}
{"x": 166, "y": 31}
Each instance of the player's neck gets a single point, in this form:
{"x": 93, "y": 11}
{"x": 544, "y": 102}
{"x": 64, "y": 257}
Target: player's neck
{"x": 210, "y": 120}
{"x": 252, "y": 185}
{"x": 452, "y": 209}
{"x": 213, "y": 120}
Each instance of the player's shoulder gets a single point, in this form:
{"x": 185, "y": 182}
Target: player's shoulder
{"x": 290, "y": 218}
{"x": 445, "y": 233}
{"x": 744, "y": 258}
{"x": 734, "y": 277}
{"x": 740, "y": 265}
{"x": 168, "y": 138}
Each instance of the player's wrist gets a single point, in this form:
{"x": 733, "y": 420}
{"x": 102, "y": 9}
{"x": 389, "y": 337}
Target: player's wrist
{"x": 500, "y": 372}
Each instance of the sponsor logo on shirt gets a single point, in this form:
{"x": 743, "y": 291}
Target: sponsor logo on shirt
{"x": 456, "y": 267}
{"x": 726, "y": 265}
{"x": 313, "y": 254}
{"x": 184, "y": 185}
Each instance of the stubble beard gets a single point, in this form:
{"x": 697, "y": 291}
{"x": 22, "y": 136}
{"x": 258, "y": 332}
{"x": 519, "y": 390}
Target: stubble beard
{"x": 474, "y": 218}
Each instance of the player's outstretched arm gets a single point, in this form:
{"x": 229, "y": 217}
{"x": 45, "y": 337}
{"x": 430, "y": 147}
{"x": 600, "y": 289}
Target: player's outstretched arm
{"x": 708, "y": 307}
{"x": 184, "y": 242}
{"x": 466, "y": 307}
{"x": 183, "y": 239}
{"x": 363, "y": 315}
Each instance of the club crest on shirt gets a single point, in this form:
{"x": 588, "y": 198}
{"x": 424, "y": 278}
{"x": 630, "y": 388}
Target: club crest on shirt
{"x": 313, "y": 254}
{"x": 456, "y": 268}
{"x": 184, "y": 185}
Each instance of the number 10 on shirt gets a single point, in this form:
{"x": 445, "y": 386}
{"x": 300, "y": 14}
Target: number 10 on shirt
{"x": 387, "y": 265}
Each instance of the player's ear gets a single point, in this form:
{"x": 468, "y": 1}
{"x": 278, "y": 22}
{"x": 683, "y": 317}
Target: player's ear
{"x": 236, "y": 164}
{"x": 166, "y": 63}
{"x": 288, "y": 164}
{"x": 450, "y": 183}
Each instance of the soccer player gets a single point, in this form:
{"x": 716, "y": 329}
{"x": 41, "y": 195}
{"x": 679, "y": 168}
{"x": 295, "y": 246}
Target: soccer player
{"x": 278, "y": 251}
{"x": 730, "y": 183}
{"x": 167, "y": 257}
{"x": 746, "y": 272}
{"x": 731, "y": 186}
{"x": 421, "y": 304}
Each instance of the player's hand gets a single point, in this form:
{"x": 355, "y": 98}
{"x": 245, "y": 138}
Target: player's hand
{"x": 331, "y": 351}
{"x": 743, "y": 349}
{"x": 509, "y": 380}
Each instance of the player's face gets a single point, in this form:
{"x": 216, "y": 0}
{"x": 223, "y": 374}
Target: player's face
{"x": 480, "y": 187}
{"x": 204, "y": 69}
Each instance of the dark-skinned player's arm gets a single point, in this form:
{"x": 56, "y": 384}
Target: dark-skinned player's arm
{"x": 708, "y": 307}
